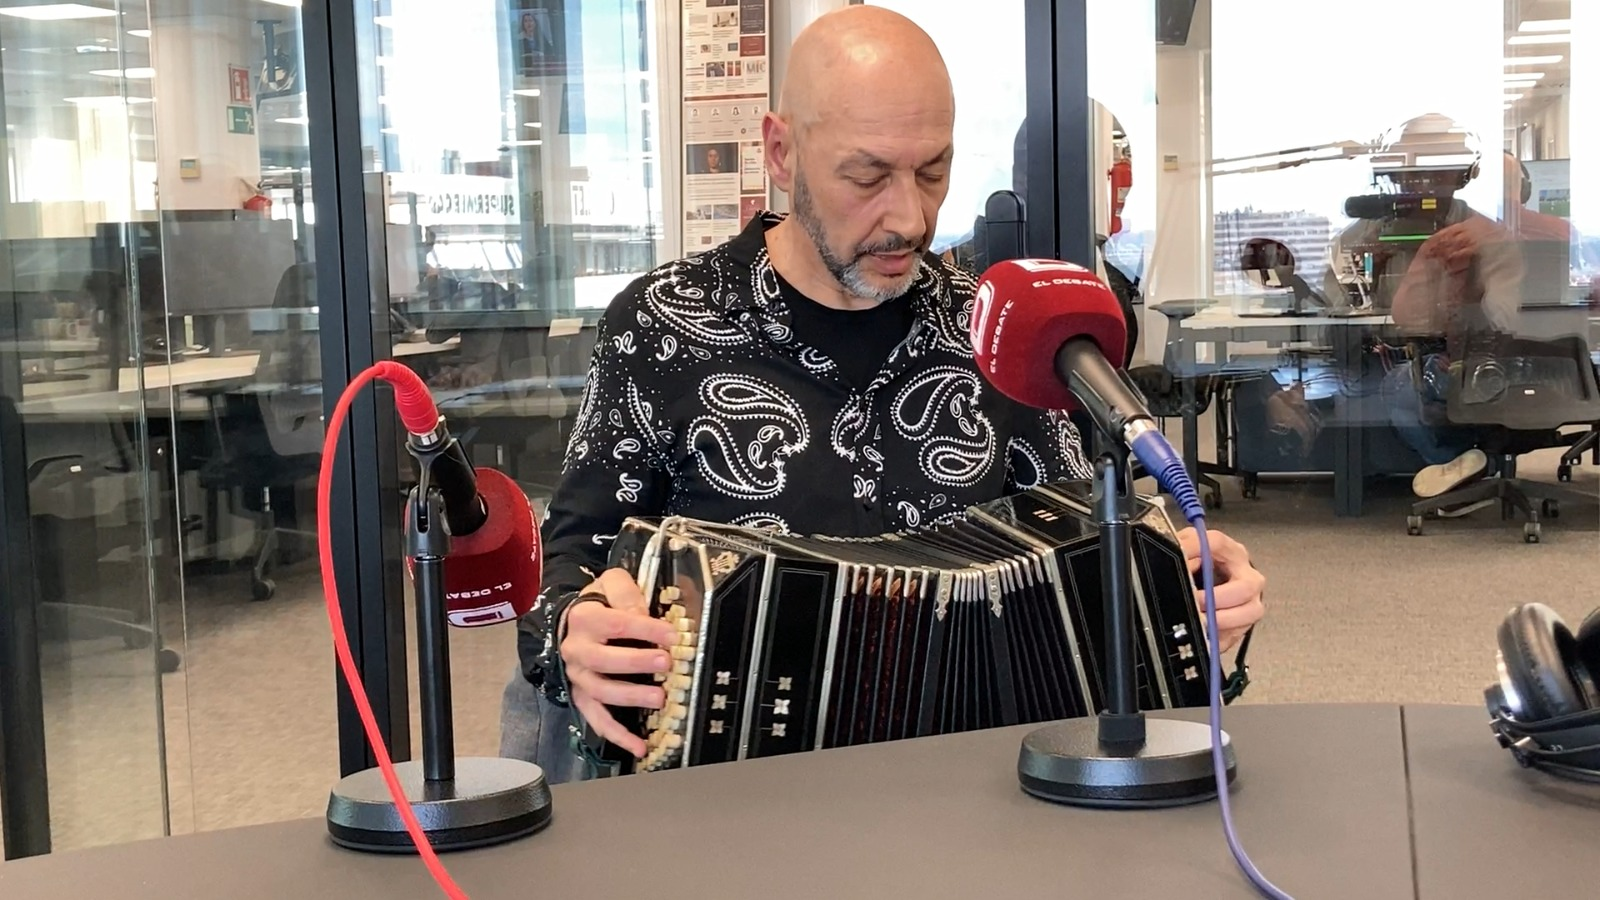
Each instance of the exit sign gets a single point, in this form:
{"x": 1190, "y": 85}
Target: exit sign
{"x": 241, "y": 120}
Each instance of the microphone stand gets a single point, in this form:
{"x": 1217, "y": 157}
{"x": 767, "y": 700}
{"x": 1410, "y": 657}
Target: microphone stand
{"x": 459, "y": 802}
{"x": 1120, "y": 758}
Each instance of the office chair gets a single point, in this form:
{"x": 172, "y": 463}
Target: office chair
{"x": 1588, "y": 442}
{"x": 1522, "y": 392}
{"x": 89, "y": 496}
{"x": 270, "y": 431}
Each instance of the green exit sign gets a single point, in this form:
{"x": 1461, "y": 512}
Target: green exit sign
{"x": 241, "y": 120}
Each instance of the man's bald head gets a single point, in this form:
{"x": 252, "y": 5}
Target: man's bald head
{"x": 855, "y": 48}
{"x": 862, "y": 143}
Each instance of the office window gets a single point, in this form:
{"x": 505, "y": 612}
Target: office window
{"x": 1365, "y": 233}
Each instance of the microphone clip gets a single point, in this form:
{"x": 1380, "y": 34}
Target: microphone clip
{"x": 427, "y": 536}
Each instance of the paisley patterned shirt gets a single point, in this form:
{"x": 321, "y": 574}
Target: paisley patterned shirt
{"x": 701, "y": 402}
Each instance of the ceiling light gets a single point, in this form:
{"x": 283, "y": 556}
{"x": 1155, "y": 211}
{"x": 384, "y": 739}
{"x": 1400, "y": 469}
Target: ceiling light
{"x": 1546, "y": 25}
{"x": 534, "y": 143}
{"x": 1524, "y": 76}
{"x": 138, "y": 72}
{"x": 1523, "y": 40}
{"x": 110, "y": 100}
{"x": 526, "y": 92}
{"x": 533, "y": 124}
{"x": 383, "y": 21}
{"x": 1533, "y": 60}
{"x": 1518, "y": 85}
{"x": 294, "y": 120}
{"x": 55, "y": 12}
{"x": 294, "y": 3}
{"x": 140, "y": 32}
{"x": 1512, "y": 97}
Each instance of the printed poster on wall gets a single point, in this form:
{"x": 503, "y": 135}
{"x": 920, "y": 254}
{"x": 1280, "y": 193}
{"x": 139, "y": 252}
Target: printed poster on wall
{"x": 726, "y": 89}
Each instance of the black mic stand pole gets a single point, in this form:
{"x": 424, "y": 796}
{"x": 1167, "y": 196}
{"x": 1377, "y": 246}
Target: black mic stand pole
{"x": 460, "y": 803}
{"x": 1120, "y": 758}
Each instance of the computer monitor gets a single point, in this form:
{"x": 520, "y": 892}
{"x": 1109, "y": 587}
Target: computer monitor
{"x": 213, "y": 267}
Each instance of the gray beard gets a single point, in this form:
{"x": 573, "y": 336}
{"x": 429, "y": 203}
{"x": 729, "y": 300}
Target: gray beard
{"x": 848, "y": 273}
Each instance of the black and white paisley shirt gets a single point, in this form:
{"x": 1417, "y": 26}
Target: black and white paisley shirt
{"x": 701, "y": 402}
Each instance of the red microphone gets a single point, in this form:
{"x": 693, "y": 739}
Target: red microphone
{"x": 1026, "y": 312}
{"x": 494, "y": 567}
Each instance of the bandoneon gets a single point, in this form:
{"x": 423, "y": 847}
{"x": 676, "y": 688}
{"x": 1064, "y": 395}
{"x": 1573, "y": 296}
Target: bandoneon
{"x": 792, "y": 643}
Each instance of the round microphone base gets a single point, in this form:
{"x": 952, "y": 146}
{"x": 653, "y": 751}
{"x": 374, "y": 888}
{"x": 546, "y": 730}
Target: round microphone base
{"x": 490, "y": 801}
{"x": 1067, "y": 763}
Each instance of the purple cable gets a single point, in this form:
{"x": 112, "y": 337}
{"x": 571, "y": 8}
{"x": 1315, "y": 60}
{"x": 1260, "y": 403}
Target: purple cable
{"x": 1163, "y": 463}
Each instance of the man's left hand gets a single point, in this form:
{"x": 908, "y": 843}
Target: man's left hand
{"x": 1238, "y": 585}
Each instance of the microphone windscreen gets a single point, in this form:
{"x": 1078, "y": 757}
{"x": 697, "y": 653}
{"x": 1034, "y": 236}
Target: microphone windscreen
{"x": 1025, "y": 310}
{"x": 492, "y": 575}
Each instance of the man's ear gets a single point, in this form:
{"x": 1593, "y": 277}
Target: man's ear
{"x": 777, "y": 143}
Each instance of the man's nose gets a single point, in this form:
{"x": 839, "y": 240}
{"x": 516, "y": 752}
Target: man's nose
{"x": 903, "y": 212}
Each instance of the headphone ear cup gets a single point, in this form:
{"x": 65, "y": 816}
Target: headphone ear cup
{"x": 1536, "y": 646}
{"x": 1586, "y": 658}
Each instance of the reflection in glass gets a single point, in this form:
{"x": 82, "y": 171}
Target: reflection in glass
{"x": 1370, "y": 300}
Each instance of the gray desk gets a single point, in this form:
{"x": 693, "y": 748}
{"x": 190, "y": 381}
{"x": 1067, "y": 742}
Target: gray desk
{"x": 1212, "y": 322}
{"x": 1322, "y": 806}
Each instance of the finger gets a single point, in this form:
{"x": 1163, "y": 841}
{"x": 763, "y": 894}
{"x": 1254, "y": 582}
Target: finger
{"x": 594, "y": 623}
{"x": 621, "y": 591}
{"x": 1235, "y": 593}
{"x": 612, "y": 660}
{"x": 1240, "y": 615}
{"x": 612, "y": 692}
{"x": 1189, "y": 541}
{"x": 604, "y": 724}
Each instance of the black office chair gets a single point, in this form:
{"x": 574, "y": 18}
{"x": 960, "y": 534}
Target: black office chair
{"x": 80, "y": 520}
{"x": 269, "y": 433}
{"x": 1523, "y": 392}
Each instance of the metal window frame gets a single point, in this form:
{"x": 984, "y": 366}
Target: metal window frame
{"x": 1060, "y": 197}
{"x": 365, "y": 504}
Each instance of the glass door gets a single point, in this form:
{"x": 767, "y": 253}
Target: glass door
{"x": 88, "y": 537}
{"x": 519, "y": 188}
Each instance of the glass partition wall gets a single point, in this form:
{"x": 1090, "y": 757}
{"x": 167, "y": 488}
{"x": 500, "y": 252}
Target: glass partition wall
{"x": 1377, "y": 271}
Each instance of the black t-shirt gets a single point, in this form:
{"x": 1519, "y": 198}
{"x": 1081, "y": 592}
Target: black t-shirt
{"x": 859, "y": 341}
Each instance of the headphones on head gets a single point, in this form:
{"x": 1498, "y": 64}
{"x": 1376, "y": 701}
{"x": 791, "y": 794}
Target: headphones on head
{"x": 1527, "y": 183}
{"x": 1545, "y": 705}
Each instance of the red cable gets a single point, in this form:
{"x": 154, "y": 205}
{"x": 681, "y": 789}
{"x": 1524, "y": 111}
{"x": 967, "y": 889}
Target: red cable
{"x": 407, "y": 386}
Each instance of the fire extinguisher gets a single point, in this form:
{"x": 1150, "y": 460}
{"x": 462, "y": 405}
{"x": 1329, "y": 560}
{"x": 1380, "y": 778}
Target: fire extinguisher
{"x": 258, "y": 202}
{"x": 1121, "y": 182}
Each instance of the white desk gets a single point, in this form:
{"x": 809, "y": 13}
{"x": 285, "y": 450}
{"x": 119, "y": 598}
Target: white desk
{"x": 147, "y": 386}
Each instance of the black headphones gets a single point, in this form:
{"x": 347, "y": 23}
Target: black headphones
{"x": 1545, "y": 707}
{"x": 1527, "y": 183}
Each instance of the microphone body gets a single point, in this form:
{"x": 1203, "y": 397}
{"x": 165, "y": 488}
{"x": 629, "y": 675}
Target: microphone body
{"x": 1043, "y": 333}
{"x": 494, "y": 566}
{"x": 1101, "y": 389}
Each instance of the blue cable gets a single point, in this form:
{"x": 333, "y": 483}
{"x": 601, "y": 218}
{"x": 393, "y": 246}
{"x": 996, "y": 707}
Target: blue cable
{"x": 1164, "y": 463}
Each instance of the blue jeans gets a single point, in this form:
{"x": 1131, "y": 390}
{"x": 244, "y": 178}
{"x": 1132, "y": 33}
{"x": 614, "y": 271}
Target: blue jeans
{"x": 1412, "y": 407}
{"x": 535, "y": 730}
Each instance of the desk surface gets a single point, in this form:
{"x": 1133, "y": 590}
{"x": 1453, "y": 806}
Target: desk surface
{"x": 1321, "y": 805}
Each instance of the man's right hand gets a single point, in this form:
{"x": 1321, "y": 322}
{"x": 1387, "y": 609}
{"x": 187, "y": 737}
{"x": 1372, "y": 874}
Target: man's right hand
{"x": 590, "y": 661}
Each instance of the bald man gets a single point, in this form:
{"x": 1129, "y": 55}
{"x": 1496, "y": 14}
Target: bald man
{"x": 813, "y": 375}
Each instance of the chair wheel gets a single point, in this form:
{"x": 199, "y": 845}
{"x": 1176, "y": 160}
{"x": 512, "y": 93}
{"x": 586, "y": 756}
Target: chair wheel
{"x": 263, "y": 589}
{"x": 1550, "y": 509}
{"x": 168, "y": 660}
{"x": 1563, "y": 472}
{"x": 1530, "y": 532}
{"x": 136, "y": 640}
{"x": 1211, "y": 500}
{"x": 1252, "y": 489}
{"x": 1413, "y": 525}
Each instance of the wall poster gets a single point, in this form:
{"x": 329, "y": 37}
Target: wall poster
{"x": 726, "y": 89}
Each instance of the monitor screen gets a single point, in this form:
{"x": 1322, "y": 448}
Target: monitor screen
{"x": 226, "y": 265}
